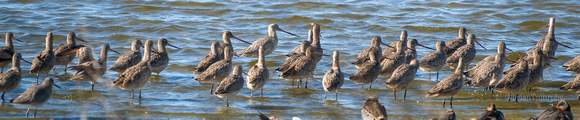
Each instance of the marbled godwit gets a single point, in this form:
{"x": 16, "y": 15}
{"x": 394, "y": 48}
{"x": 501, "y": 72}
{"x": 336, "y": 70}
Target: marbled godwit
{"x": 231, "y": 85}
{"x": 290, "y": 59}
{"x": 217, "y": 71}
{"x": 434, "y": 60}
{"x": 536, "y": 69}
{"x": 226, "y": 36}
{"x": 573, "y": 65}
{"x": 447, "y": 115}
{"x": 7, "y": 51}
{"x": 392, "y": 48}
{"x": 514, "y": 81}
{"x": 11, "y": 78}
{"x": 135, "y": 77}
{"x": 298, "y": 49}
{"x": 91, "y": 70}
{"x": 560, "y": 112}
{"x": 373, "y": 110}
{"x": 45, "y": 60}
{"x": 264, "y": 117}
{"x": 70, "y": 44}
{"x": 258, "y": 75}
{"x": 467, "y": 52}
{"x": 212, "y": 57}
{"x": 334, "y": 78}
{"x": 368, "y": 72}
{"x": 35, "y": 96}
{"x": 489, "y": 69}
{"x": 573, "y": 86}
{"x": 491, "y": 113}
{"x": 529, "y": 57}
{"x": 302, "y": 67}
{"x": 363, "y": 56}
{"x": 551, "y": 39}
{"x": 403, "y": 77}
{"x": 391, "y": 62}
{"x": 269, "y": 42}
{"x": 449, "y": 86}
{"x": 316, "y": 42}
{"x": 411, "y": 53}
{"x": 160, "y": 59}
{"x": 130, "y": 58}
{"x": 455, "y": 43}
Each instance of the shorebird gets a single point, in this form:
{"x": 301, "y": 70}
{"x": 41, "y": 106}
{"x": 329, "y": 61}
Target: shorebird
{"x": 489, "y": 69}
{"x": 573, "y": 86}
{"x": 135, "y": 77}
{"x": 447, "y": 115}
{"x": 90, "y": 69}
{"x": 551, "y": 40}
{"x": 392, "y": 48}
{"x": 292, "y": 58}
{"x": 217, "y": 71}
{"x": 258, "y": 75}
{"x": 45, "y": 60}
{"x": 373, "y": 110}
{"x": 573, "y": 65}
{"x": 298, "y": 49}
{"x": 529, "y": 57}
{"x": 455, "y": 43}
{"x": 514, "y": 81}
{"x": 7, "y": 51}
{"x": 391, "y": 62}
{"x": 269, "y": 43}
{"x": 264, "y": 117}
{"x": 411, "y": 53}
{"x": 368, "y": 72}
{"x": 491, "y": 113}
{"x": 160, "y": 59}
{"x": 70, "y": 45}
{"x": 302, "y": 67}
{"x": 226, "y": 36}
{"x": 467, "y": 52}
{"x": 363, "y": 56}
{"x": 212, "y": 57}
{"x": 334, "y": 78}
{"x": 316, "y": 42}
{"x": 434, "y": 60}
{"x": 12, "y": 77}
{"x": 35, "y": 96}
{"x": 449, "y": 86}
{"x": 403, "y": 77}
{"x": 231, "y": 85}
{"x": 536, "y": 69}
{"x": 560, "y": 112}
{"x": 130, "y": 58}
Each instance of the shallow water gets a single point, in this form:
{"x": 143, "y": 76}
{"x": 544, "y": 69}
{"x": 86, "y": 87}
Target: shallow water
{"x": 346, "y": 26}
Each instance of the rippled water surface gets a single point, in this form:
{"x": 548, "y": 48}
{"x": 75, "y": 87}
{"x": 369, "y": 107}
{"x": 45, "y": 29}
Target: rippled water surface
{"x": 346, "y": 26}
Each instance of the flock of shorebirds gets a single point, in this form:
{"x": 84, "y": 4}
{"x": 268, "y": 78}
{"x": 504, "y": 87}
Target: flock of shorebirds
{"x": 398, "y": 62}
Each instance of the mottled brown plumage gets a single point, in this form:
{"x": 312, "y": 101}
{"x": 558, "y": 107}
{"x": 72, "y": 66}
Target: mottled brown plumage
{"x": 35, "y": 96}
{"x": 91, "y": 70}
{"x": 298, "y": 49}
{"x": 334, "y": 78}
{"x": 434, "y": 60}
{"x": 226, "y": 36}
{"x": 7, "y": 51}
{"x": 467, "y": 52}
{"x": 12, "y": 77}
{"x": 217, "y": 71}
{"x": 70, "y": 45}
{"x": 391, "y": 62}
{"x": 392, "y": 48}
{"x": 573, "y": 65}
{"x": 403, "y": 77}
{"x": 449, "y": 86}
{"x": 514, "y": 81}
{"x": 231, "y": 85}
{"x": 269, "y": 43}
{"x": 160, "y": 59}
{"x": 573, "y": 86}
{"x": 316, "y": 42}
{"x": 292, "y": 58}
{"x": 363, "y": 56}
{"x": 130, "y": 58}
{"x": 258, "y": 75}
{"x": 373, "y": 110}
{"x": 135, "y": 77}
{"x": 302, "y": 68}
{"x": 45, "y": 60}
{"x": 368, "y": 72}
{"x": 455, "y": 43}
{"x": 489, "y": 69}
{"x": 212, "y": 57}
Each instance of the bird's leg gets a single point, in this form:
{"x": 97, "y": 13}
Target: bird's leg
{"x": 37, "y": 76}
{"x": 370, "y": 85}
{"x": 92, "y": 86}
{"x": 405, "y": 95}
{"x": 251, "y": 93}
{"x": 451, "y": 102}
{"x": 437, "y": 76}
{"x": 306, "y": 85}
{"x": 35, "y": 112}
{"x": 395, "y": 93}
{"x": 227, "y": 102}
{"x": 3, "y": 96}
{"x": 336, "y": 97}
{"x": 139, "y": 94}
{"x": 510, "y": 98}
{"x": 299, "y": 83}
{"x": 132, "y": 93}
{"x": 65, "y": 66}
{"x": 517, "y": 97}
{"x": 2, "y": 70}
{"x": 578, "y": 97}
{"x": 443, "y": 102}
{"x": 324, "y": 95}
{"x": 27, "y": 112}
{"x": 211, "y": 90}
{"x": 261, "y": 91}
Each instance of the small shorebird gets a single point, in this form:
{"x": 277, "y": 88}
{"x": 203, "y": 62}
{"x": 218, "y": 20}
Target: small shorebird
{"x": 269, "y": 42}
{"x": 334, "y": 78}
{"x": 217, "y": 71}
{"x": 447, "y": 115}
{"x": 561, "y": 112}
{"x": 130, "y": 58}
{"x": 467, "y": 52}
{"x": 258, "y": 75}
{"x": 45, "y": 60}
{"x": 403, "y": 77}
{"x": 536, "y": 69}
{"x": 302, "y": 67}
{"x": 160, "y": 59}
{"x": 7, "y": 51}
{"x": 491, "y": 113}
{"x": 293, "y": 57}
{"x": 434, "y": 60}
{"x": 392, "y": 48}
{"x": 231, "y": 85}
{"x": 91, "y": 70}
{"x": 514, "y": 81}
{"x": 449, "y": 86}
{"x": 573, "y": 86}
{"x": 70, "y": 45}
{"x": 212, "y": 57}
{"x": 368, "y": 72}
{"x": 411, "y": 53}
{"x": 550, "y": 39}
{"x": 391, "y": 62}
{"x": 35, "y": 96}
{"x": 455, "y": 43}
{"x": 298, "y": 49}
{"x": 11, "y": 78}
{"x": 135, "y": 77}
{"x": 316, "y": 42}
{"x": 373, "y": 110}
{"x": 363, "y": 56}
{"x": 226, "y": 36}
{"x": 487, "y": 70}
{"x": 573, "y": 65}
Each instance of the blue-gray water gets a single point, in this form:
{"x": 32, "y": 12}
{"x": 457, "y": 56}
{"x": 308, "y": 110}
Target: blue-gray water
{"x": 346, "y": 26}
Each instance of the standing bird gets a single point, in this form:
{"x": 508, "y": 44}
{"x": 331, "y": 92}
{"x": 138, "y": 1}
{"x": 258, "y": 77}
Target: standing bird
{"x": 45, "y": 60}
{"x": 573, "y": 86}
{"x": 130, "y": 58}
{"x": 298, "y": 49}
{"x": 403, "y": 77}
{"x": 434, "y": 60}
{"x": 514, "y": 81}
{"x": 231, "y": 85}
{"x": 218, "y": 70}
{"x": 302, "y": 67}
{"x": 491, "y": 113}
{"x": 293, "y": 57}
{"x": 561, "y": 112}
{"x": 91, "y": 70}
{"x": 573, "y": 65}
{"x": 551, "y": 40}
{"x": 447, "y": 115}
{"x": 391, "y": 62}
{"x": 316, "y": 42}
{"x": 11, "y": 78}
{"x": 160, "y": 59}
{"x": 135, "y": 77}
{"x": 536, "y": 69}
{"x": 258, "y": 75}
{"x": 467, "y": 52}
{"x": 269, "y": 43}
{"x": 449, "y": 86}
{"x": 363, "y": 56}
{"x": 368, "y": 72}
{"x": 35, "y": 96}
{"x": 411, "y": 53}
{"x": 489, "y": 69}
{"x": 226, "y": 36}
{"x": 334, "y": 78}
{"x": 70, "y": 45}
{"x": 213, "y": 56}
{"x": 392, "y": 48}
{"x": 7, "y": 51}
{"x": 455, "y": 43}
{"x": 373, "y": 110}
